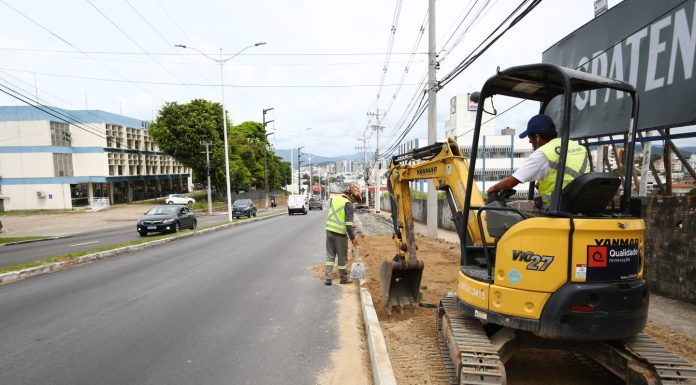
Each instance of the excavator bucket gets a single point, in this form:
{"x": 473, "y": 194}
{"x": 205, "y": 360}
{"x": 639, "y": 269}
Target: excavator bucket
{"x": 401, "y": 284}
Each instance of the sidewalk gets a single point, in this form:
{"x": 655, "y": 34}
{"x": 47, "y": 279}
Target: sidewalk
{"x": 70, "y": 222}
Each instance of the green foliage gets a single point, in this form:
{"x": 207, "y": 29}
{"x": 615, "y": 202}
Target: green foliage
{"x": 179, "y": 130}
{"x": 692, "y": 192}
{"x": 424, "y": 195}
{"x": 20, "y": 239}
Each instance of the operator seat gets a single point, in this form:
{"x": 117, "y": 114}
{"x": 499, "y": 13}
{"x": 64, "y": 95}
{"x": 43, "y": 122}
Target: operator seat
{"x": 589, "y": 194}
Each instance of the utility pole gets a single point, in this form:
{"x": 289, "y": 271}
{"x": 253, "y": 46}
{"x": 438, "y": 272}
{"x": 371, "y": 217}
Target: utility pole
{"x": 378, "y": 175}
{"x": 432, "y": 117}
{"x": 299, "y": 178}
{"x": 367, "y": 174}
{"x": 378, "y": 180}
{"x": 310, "y": 192}
{"x": 265, "y": 164}
{"x": 207, "y": 170}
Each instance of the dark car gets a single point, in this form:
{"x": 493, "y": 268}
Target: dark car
{"x": 243, "y": 208}
{"x": 167, "y": 219}
{"x": 315, "y": 203}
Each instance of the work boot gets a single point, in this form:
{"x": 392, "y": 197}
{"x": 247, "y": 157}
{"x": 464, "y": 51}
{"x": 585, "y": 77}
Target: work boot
{"x": 327, "y": 282}
{"x": 345, "y": 280}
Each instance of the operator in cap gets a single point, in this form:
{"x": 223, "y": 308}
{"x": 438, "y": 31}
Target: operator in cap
{"x": 542, "y": 164}
{"x": 339, "y": 227}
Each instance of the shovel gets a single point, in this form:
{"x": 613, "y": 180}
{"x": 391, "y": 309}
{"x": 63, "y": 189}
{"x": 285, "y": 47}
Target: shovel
{"x": 357, "y": 270}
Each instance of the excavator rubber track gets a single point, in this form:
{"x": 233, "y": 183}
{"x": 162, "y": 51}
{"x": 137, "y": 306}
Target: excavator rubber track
{"x": 470, "y": 358}
{"x": 669, "y": 368}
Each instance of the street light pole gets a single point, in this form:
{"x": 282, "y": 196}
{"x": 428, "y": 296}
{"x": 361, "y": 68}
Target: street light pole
{"x": 222, "y": 62}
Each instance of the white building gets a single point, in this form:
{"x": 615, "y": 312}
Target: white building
{"x": 46, "y": 163}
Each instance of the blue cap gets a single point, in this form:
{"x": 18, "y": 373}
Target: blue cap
{"x": 539, "y": 124}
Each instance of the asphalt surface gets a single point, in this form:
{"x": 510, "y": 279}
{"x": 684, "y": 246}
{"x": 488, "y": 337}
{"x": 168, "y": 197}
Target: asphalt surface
{"x": 235, "y": 306}
{"x": 85, "y": 240}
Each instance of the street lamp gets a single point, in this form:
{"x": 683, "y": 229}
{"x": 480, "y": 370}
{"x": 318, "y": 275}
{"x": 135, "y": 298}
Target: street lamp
{"x": 222, "y": 62}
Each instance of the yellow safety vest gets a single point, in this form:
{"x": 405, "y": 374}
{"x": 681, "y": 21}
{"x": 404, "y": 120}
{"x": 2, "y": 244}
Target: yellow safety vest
{"x": 576, "y": 165}
{"x": 336, "y": 220}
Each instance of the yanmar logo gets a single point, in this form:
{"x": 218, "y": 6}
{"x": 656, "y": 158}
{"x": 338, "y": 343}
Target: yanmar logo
{"x": 617, "y": 242}
{"x": 427, "y": 170}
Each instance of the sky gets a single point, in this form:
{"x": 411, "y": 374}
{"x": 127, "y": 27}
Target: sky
{"x": 322, "y": 69}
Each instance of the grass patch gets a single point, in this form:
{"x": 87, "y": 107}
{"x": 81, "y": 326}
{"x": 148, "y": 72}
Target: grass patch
{"x": 20, "y": 239}
{"x": 71, "y": 256}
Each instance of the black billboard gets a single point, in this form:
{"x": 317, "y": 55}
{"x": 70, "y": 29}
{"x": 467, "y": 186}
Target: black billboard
{"x": 650, "y": 44}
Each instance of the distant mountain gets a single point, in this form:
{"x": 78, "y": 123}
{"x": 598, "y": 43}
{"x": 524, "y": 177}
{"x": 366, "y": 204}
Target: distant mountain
{"x": 659, "y": 149}
{"x": 316, "y": 159}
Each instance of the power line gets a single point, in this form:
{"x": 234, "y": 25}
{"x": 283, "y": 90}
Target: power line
{"x": 54, "y": 96}
{"x": 164, "y": 39}
{"x": 130, "y": 53}
{"x": 58, "y": 54}
{"x": 136, "y": 43}
{"x": 71, "y": 45}
{"x": 464, "y": 64}
{"x": 211, "y": 85}
{"x": 66, "y": 118}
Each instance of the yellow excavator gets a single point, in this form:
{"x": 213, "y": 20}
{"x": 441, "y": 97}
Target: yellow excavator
{"x": 567, "y": 277}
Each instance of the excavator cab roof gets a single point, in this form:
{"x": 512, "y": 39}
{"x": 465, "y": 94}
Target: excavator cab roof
{"x": 570, "y": 98}
{"x": 545, "y": 83}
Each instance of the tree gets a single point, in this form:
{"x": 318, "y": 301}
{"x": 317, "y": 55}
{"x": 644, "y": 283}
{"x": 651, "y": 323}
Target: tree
{"x": 179, "y": 130}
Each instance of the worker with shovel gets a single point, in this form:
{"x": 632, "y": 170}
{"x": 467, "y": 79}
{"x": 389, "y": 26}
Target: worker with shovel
{"x": 339, "y": 227}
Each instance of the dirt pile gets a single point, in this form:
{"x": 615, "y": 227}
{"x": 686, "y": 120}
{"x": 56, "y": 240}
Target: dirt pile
{"x": 412, "y": 337}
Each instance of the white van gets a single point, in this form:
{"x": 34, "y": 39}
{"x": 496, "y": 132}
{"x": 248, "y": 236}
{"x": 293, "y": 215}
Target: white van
{"x": 296, "y": 204}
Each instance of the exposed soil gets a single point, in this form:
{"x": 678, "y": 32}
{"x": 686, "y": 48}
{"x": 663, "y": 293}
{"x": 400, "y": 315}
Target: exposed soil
{"x": 412, "y": 337}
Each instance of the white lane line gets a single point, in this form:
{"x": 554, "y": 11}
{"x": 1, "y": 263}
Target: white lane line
{"x": 81, "y": 244}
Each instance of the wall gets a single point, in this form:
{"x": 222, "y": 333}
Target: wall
{"x": 670, "y": 261}
{"x": 670, "y": 254}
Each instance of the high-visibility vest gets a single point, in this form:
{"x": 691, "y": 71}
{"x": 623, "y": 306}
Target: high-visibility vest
{"x": 336, "y": 220}
{"x": 576, "y": 165}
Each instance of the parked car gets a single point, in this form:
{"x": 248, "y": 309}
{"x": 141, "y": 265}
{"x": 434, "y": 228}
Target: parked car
{"x": 166, "y": 219}
{"x": 179, "y": 199}
{"x": 243, "y": 208}
{"x": 296, "y": 204}
{"x": 315, "y": 203}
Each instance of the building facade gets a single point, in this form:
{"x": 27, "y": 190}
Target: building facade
{"x": 100, "y": 157}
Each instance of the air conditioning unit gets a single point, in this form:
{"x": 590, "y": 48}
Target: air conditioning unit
{"x": 41, "y": 194}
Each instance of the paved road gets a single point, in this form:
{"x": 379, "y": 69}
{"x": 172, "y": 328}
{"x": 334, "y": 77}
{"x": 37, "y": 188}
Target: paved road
{"x": 89, "y": 239}
{"x": 236, "y": 306}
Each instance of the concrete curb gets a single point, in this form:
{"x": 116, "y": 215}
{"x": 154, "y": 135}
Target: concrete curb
{"x": 382, "y": 372}
{"x": 14, "y": 276}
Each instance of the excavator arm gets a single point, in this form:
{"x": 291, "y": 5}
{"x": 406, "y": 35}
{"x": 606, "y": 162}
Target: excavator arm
{"x": 444, "y": 164}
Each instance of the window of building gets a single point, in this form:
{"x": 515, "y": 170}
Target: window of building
{"x": 79, "y": 194}
{"x": 60, "y": 134}
{"x": 62, "y": 164}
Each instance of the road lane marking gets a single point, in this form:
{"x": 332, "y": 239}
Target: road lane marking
{"x": 82, "y": 244}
